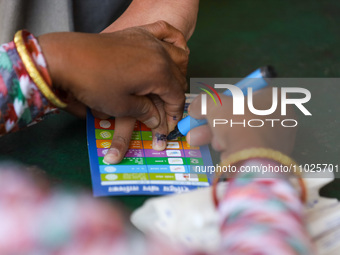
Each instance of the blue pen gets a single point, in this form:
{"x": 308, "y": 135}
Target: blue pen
{"x": 256, "y": 80}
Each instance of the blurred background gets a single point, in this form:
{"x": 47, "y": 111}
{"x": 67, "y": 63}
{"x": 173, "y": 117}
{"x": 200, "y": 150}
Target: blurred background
{"x": 299, "y": 38}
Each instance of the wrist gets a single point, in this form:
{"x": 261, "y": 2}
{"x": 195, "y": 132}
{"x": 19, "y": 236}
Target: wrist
{"x": 55, "y": 53}
{"x": 260, "y": 162}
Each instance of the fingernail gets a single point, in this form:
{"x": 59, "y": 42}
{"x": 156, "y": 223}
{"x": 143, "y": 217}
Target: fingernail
{"x": 159, "y": 142}
{"x": 152, "y": 122}
{"x": 112, "y": 156}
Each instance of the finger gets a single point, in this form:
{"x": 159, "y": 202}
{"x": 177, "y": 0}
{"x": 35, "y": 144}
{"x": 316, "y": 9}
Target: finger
{"x": 165, "y": 32}
{"x": 199, "y": 136}
{"x": 121, "y": 139}
{"x": 195, "y": 108}
{"x": 100, "y": 115}
{"x": 143, "y": 109}
{"x": 174, "y": 113}
{"x": 173, "y": 98}
{"x": 159, "y": 134}
{"x": 178, "y": 56}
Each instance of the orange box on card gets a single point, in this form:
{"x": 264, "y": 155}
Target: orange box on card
{"x": 103, "y": 143}
{"x": 186, "y": 146}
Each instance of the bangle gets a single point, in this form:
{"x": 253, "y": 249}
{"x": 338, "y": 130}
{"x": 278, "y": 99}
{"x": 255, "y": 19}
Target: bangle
{"x": 33, "y": 71}
{"x": 261, "y": 153}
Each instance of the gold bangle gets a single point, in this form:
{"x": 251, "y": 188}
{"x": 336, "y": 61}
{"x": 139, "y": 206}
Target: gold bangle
{"x": 33, "y": 71}
{"x": 262, "y": 153}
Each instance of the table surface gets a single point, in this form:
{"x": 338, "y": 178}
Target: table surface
{"x": 232, "y": 38}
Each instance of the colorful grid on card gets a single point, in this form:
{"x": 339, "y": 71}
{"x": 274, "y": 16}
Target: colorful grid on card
{"x": 143, "y": 170}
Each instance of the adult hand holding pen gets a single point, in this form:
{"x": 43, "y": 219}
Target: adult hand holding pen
{"x": 115, "y": 73}
{"x": 180, "y": 14}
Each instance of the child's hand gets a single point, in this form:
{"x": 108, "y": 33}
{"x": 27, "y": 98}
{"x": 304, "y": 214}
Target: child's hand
{"x": 115, "y": 73}
{"x": 228, "y": 140}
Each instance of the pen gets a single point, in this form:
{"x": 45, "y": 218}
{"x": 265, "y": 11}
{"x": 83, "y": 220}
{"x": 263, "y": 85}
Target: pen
{"x": 256, "y": 80}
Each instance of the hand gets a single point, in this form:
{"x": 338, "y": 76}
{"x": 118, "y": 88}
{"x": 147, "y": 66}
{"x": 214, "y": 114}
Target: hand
{"x": 228, "y": 140}
{"x": 180, "y": 14}
{"x": 114, "y": 73}
{"x": 124, "y": 125}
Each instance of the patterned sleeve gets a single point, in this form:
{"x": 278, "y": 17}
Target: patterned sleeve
{"x": 262, "y": 216}
{"x": 21, "y": 102}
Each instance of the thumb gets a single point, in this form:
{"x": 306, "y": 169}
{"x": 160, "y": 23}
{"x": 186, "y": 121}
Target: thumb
{"x": 143, "y": 109}
{"x": 165, "y": 32}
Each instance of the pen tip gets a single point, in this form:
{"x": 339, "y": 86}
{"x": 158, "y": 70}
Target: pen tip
{"x": 174, "y": 134}
{"x": 268, "y": 72}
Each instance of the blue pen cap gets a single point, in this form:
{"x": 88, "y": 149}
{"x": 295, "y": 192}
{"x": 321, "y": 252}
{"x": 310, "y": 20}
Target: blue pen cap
{"x": 256, "y": 80}
{"x": 188, "y": 123}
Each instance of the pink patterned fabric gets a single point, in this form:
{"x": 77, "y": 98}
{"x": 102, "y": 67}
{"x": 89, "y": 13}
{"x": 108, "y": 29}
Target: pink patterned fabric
{"x": 262, "y": 215}
{"x": 257, "y": 217}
